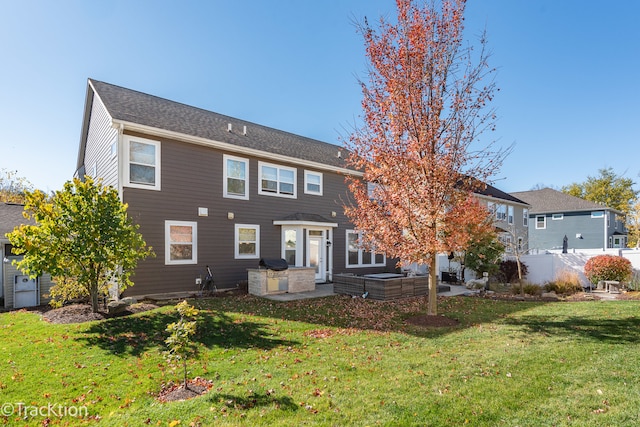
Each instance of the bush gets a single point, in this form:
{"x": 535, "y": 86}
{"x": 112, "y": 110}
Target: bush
{"x": 566, "y": 282}
{"x": 528, "y": 289}
{"x": 509, "y": 271}
{"x": 634, "y": 283}
{"x": 608, "y": 267}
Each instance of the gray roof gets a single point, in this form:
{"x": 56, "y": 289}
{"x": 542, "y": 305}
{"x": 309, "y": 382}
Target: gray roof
{"x": 10, "y": 217}
{"x": 491, "y": 191}
{"x": 140, "y": 108}
{"x": 308, "y": 217}
{"x": 549, "y": 200}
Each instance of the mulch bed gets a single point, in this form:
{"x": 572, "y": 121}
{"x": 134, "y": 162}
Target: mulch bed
{"x": 79, "y": 313}
{"x": 172, "y": 392}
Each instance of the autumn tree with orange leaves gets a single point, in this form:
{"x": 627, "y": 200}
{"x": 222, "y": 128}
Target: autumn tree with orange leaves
{"x": 425, "y": 104}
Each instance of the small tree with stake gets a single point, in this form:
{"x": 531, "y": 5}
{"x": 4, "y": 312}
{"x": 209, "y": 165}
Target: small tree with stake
{"x": 180, "y": 342}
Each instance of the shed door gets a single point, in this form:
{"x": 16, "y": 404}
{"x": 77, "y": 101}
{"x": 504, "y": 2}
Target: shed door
{"x": 25, "y": 292}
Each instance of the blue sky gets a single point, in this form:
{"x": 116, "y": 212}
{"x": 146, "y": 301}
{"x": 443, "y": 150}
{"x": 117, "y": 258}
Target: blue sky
{"x": 568, "y": 74}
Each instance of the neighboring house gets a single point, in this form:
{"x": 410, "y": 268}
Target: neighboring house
{"x": 511, "y": 217}
{"x": 587, "y": 225}
{"x": 28, "y": 292}
{"x": 212, "y": 190}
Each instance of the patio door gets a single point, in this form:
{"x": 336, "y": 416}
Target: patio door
{"x": 316, "y": 255}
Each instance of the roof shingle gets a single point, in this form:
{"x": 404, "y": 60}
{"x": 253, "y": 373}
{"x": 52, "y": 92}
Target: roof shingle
{"x": 548, "y": 200}
{"x": 148, "y": 110}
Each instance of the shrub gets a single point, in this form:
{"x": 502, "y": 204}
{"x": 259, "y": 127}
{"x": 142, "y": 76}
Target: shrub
{"x": 566, "y": 282}
{"x": 509, "y": 270}
{"x": 528, "y": 288}
{"x": 608, "y": 267}
{"x": 634, "y": 283}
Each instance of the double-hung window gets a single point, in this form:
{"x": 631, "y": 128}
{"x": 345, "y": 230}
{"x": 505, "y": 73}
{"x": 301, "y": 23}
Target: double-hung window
{"x": 276, "y": 180}
{"x": 236, "y": 177}
{"x": 142, "y": 163}
{"x": 247, "y": 241}
{"x": 313, "y": 183}
{"x": 501, "y": 212}
{"x": 357, "y": 256}
{"x": 525, "y": 217}
{"x": 541, "y": 222}
{"x": 510, "y": 215}
{"x": 181, "y": 242}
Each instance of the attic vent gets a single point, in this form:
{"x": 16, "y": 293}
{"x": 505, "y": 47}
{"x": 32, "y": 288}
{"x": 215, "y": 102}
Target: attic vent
{"x": 244, "y": 130}
{"x": 229, "y": 127}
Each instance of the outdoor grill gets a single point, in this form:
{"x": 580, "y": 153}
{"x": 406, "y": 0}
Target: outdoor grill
{"x": 274, "y": 264}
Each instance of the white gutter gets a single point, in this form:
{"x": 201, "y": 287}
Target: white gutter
{"x": 150, "y": 130}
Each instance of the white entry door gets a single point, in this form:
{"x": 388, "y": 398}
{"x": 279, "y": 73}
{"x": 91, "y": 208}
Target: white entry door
{"x": 316, "y": 258}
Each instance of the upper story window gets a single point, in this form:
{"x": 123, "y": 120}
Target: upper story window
{"x": 525, "y": 217}
{"x": 510, "y": 215}
{"x": 142, "y": 163}
{"x": 276, "y": 180}
{"x": 313, "y": 183}
{"x": 236, "y": 177}
{"x": 181, "y": 244}
{"x": 358, "y": 257}
{"x": 557, "y": 216}
{"x": 501, "y": 212}
{"x": 597, "y": 214}
{"x": 541, "y": 222}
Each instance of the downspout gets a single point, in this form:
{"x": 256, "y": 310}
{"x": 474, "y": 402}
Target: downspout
{"x": 114, "y": 290}
{"x": 120, "y": 153}
{"x": 604, "y": 217}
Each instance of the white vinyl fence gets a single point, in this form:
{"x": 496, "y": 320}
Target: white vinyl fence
{"x": 543, "y": 268}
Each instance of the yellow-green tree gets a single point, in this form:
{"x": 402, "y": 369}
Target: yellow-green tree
{"x": 82, "y": 236}
{"x": 13, "y": 187}
{"x": 613, "y": 191}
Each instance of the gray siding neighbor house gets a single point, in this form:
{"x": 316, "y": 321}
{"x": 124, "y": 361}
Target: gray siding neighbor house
{"x": 511, "y": 218}
{"x": 212, "y": 190}
{"x": 587, "y": 225}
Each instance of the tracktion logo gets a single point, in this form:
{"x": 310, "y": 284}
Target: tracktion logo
{"x": 50, "y": 410}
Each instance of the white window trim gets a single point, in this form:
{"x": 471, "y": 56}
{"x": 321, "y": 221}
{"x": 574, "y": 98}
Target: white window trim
{"x": 557, "y": 217}
{"x": 236, "y": 240}
{"x": 277, "y": 193}
{"x": 360, "y": 251}
{"x": 597, "y": 214}
{"x": 167, "y": 242}
{"x": 501, "y": 212}
{"x": 127, "y": 183}
{"x": 544, "y": 223}
{"x": 307, "y": 173}
{"x": 299, "y": 240}
{"x": 510, "y": 214}
{"x": 525, "y": 217}
{"x": 225, "y": 193}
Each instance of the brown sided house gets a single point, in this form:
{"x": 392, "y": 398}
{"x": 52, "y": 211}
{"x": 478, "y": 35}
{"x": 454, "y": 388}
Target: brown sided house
{"x": 212, "y": 190}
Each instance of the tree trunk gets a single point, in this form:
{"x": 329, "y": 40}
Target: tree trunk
{"x": 520, "y": 281}
{"x": 432, "y": 297}
{"x": 94, "y": 300}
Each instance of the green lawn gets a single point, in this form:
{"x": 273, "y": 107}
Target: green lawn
{"x": 334, "y": 361}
